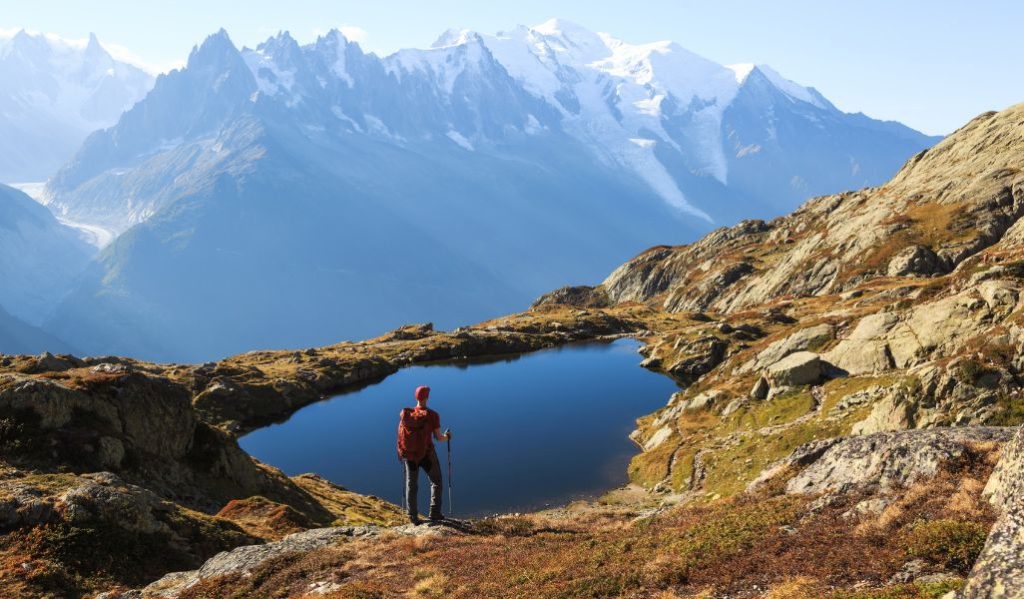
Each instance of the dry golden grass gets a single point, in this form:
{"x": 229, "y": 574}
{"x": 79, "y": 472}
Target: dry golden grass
{"x": 729, "y": 547}
{"x": 798, "y": 587}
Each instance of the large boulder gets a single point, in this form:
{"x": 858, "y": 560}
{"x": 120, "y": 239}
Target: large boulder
{"x": 865, "y": 351}
{"x": 810, "y": 338}
{"x": 800, "y": 368}
{"x": 885, "y": 461}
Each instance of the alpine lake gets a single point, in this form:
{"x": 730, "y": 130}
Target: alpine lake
{"x": 529, "y": 431}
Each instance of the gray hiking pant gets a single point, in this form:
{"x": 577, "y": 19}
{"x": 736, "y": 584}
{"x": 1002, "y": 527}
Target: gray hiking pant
{"x": 412, "y": 484}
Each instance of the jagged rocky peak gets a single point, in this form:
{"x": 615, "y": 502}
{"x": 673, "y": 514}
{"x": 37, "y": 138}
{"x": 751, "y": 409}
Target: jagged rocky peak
{"x": 551, "y": 129}
{"x": 455, "y": 37}
{"x": 56, "y": 91}
{"x": 214, "y": 51}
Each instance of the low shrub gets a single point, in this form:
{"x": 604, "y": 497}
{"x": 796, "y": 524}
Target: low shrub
{"x": 953, "y": 544}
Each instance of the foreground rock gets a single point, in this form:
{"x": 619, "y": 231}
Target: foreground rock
{"x": 999, "y": 571}
{"x": 243, "y": 560}
{"x": 885, "y": 461}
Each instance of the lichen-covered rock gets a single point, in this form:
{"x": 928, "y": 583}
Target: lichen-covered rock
{"x": 103, "y": 499}
{"x": 883, "y": 461}
{"x": 865, "y": 351}
{"x": 243, "y": 560}
{"x": 998, "y": 572}
{"x": 24, "y": 505}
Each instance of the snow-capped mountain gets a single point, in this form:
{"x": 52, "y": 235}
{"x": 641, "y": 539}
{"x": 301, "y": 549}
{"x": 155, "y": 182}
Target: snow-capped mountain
{"x": 323, "y": 192}
{"x": 54, "y": 93}
{"x": 39, "y": 257}
{"x": 692, "y": 130}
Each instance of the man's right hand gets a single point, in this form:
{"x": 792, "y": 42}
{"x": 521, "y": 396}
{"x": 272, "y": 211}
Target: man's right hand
{"x": 448, "y": 435}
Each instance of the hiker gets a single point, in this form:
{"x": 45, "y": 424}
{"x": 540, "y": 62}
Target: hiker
{"x": 417, "y": 429}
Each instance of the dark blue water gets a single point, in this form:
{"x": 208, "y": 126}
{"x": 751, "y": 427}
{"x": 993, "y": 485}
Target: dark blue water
{"x": 540, "y": 429}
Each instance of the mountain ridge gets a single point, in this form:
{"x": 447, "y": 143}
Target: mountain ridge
{"x": 537, "y": 71}
{"x": 474, "y": 190}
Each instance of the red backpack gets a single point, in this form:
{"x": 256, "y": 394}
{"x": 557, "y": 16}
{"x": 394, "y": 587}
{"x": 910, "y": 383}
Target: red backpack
{"x": 414, "y": 434}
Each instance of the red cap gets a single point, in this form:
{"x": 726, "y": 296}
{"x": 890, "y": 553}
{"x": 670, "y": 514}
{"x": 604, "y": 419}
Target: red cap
{"x": 422, "y": 393}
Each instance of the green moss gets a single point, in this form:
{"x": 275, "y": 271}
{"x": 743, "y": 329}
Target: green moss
{"x": 971, "y": 370}
{"x": 730, "y": 470}
{"x": 779, "y": 410}
{"x": 904, "y": 591}
{"x": 938, "y": 589}
{"x": 682, "y": 470}
{"x": 953, "y": 544}
{"x": 1010, "y": 411}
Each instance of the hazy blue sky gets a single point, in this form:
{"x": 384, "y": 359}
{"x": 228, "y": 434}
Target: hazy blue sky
{"x": 931, "y": 64}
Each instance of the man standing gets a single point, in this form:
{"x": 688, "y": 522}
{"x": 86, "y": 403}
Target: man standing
{"x": 417, "y": 429}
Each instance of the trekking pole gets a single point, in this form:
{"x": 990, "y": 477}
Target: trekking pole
{"x": 404, "y": 507}
{"x": 451, "y": 506}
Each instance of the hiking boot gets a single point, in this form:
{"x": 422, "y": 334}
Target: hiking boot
{"x": 415, "y": 520}
{"x": 437, "y": 518}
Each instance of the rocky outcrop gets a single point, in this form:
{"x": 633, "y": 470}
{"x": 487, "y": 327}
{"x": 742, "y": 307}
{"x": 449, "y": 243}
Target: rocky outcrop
{"x": 243, "y": 560}
{"x": 885, "y": 461}
{"x": 141, "y": 427}
{"x": 85, "y": 517}
{"x": 999, "y": 570}
{"x": 696, "y": 358}
{"x": 808, "y": 339}
{"x": 581, "y": 296}
{"x": 916, "y": 260}
{"x": 961, "y": 197}
{"x": 800, "y": 368}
